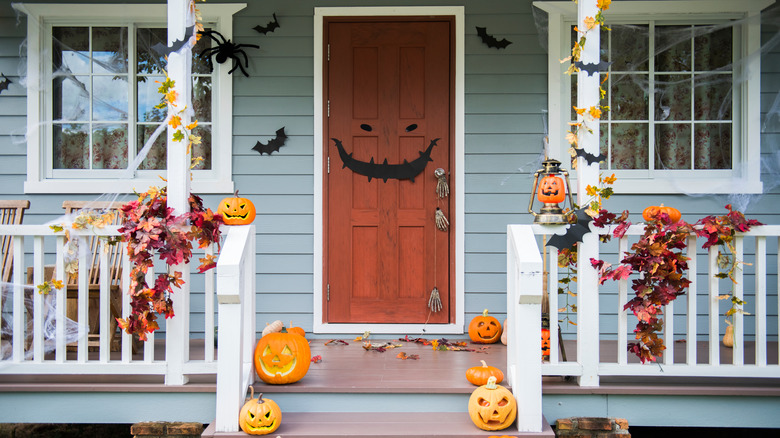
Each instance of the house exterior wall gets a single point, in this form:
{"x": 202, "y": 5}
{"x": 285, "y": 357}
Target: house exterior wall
{"x": 505, "y": 98}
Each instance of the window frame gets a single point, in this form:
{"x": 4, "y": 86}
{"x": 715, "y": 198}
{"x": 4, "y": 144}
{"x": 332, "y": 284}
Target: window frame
{"x": 41, "y": 18}
{"x": 745, "y": 175}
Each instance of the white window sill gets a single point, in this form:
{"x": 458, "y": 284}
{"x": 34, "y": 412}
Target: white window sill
{"x": 698, "y": 186}
{"x": 119, "y": 186}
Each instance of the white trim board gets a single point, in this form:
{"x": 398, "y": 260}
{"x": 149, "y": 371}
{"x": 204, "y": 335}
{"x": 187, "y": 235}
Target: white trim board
{"x": 458, "y": 219}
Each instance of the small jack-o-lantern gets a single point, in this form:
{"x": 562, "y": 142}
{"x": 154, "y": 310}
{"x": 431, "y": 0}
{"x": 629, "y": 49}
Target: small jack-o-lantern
{"x": 236, "y": 210}
{"x": 545, "y": 343}
{"x": 484, "y": 329}
{"x": 551, "y": 190}
{"x": 492, "y": 407}
{"x": 259, "y": 416}
{"x": 282, "y": 358}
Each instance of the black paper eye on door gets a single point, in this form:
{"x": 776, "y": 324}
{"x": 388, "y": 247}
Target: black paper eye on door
{"x": 366, "y": 128}
{"x": 385, "y": 171}
{"x": 411, "y": 127}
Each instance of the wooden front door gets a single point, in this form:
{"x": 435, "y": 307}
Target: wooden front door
{"x": 389, "y": 90}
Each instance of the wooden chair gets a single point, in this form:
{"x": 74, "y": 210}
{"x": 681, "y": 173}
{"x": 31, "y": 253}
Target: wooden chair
{"x": 93, "y": 275}
{"x": 11, "y": 213}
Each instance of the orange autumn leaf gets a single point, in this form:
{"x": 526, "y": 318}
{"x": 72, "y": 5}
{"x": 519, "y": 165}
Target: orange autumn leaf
{"x": 603, "y": 4}
{"x": 171, "y": 97}
{"x": 595, "y": 112}
{"x": 175, "y": 122}
{"x": 192, "y": 125}
{"x": 579, "y": 111}
{"x": 589, "y": 22}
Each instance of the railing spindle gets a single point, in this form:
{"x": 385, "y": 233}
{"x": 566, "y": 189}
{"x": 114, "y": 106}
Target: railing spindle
{"x": 714, "y": 306}
{"x": 552, "y": 295}
{"x": 692, "y": 338}
{"x": 105, "y": 299}
{"x": 738, "y": 350}
{"x": 37, "y": 300}
{"x": 761, "y": 303}
{"x": 62, "y": 302}
{"x": 209, "y": 310}
{"x": 622, "y": 314}
{"x": 19, "y": 324}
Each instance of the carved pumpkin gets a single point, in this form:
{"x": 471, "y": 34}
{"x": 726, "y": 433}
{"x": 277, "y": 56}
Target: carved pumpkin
{"x": 545, "y": 343}
{"x": 492, "y": 407}
{"x": 480, "y": 375}
{"x": 236, "y": 210}
{"x": 282, "y": 358}
{"x": 484, "y": 329}
{"x": 651, "y": 213}
{"x": 551, "y": 190}
{"x": 259, "y": 416}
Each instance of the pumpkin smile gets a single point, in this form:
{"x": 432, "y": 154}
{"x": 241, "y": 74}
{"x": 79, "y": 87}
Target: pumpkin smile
{"x": 281, "y": 364}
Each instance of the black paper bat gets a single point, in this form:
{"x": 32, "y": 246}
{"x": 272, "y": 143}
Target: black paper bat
{"x": 574, "y": 232}
{"x": 273, "y": 145}
{"x": 270, "y": 27}
{"x": 385, "y": 171}
{"x": 490, "y": 40}
{"x": 592, "y": 68}
{"x": 590, "y": 158}
{"x": 4, "y": 83}
{"x": 164, "y": 50}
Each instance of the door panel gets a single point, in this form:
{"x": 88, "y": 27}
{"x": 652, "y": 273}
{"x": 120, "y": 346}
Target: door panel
{"x": 389, "y": 90}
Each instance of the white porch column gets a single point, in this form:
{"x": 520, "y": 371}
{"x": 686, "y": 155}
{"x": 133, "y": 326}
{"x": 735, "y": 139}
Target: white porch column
{"x": 179, "y": 67}
{"x": 587, "y": 281}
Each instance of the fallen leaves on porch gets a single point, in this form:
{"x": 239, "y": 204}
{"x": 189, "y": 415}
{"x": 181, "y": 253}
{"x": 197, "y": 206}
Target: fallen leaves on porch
{"x": 381, "y": 348}
{"x": 404, "y": 356}
{"x": 444, "y": 344}
{"x": 316, "y": 359}
{"x": 336, "y": 342}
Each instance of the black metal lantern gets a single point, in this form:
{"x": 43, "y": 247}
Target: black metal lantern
{"x": 551, "y": 187}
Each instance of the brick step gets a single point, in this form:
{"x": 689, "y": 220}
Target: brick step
{"x": 381, "y": 425}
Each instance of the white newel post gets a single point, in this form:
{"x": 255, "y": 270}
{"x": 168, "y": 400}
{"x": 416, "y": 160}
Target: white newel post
{"x": 524, "y": 315}
{"x": 178, "y": 175}
{"x": 235, "y": 293}
{"x": 587, "y": 281}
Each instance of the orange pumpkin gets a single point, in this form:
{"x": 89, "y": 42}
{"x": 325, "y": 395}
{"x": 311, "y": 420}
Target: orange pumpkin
{"x": 480, "y": 375}
{"x": 296, "y": 330}
{"x": 651, "y": 213}
{"x": 492, "y": 407}
{"x": 236, "y": 210}
{"x": 259, "y": 416}
{"x": 484, "y": 329}
{"x": 282, "y": 358}
{"x": 545, "y": 343}
{"x": 551, "y": 190}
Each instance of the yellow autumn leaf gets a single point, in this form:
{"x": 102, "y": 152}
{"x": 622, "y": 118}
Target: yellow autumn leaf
{"x": 571, "y": 138}
{"x": 610, "y": 179}
{"x": 603, "y": 4}
{"x": 579, "y": 111}
{"x": 590, "y": 190}
{"x": 594, "y": 112}
{"x": 192, "y": 125}
{"x": 171, "y": 97}
{"x": 589, "y": 22}
{"x": 175, "y": 122}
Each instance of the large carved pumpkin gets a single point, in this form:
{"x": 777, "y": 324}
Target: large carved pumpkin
{"x": 282, "y": 358}
{"x": 259, "y": 416}
{"x": 551, "y": 190}
{"x": 236, "y": 210}
{"x": 492, "y": 407}
{"x": 484, "y": 329}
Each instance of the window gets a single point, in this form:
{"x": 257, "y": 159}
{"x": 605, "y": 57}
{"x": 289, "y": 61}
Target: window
{"x": 92, "y": 91}
{"x": 682, "y": 90}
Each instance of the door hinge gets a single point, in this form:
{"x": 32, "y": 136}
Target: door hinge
{"x": 328, "y": 297}
{"x": 328, "y": 51}
{"x": 328, "y": 172}
{"x": 328, "y": 107}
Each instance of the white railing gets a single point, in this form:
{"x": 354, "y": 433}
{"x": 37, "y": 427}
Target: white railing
{"x": 43, "y": 337}
{"x": 693, "y": 333}
{"x": 236, "y": 297}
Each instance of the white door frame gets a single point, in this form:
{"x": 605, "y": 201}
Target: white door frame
{"x": 457, "y": 219}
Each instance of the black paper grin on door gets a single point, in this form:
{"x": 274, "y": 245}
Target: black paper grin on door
{"x": 384, "y": 171}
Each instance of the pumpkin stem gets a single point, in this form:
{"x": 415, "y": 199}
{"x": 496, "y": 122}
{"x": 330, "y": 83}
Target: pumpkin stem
{"x": 483, "y": 364}
{"x": 491, "y": 383}
{"x": 252, "y": 388}
{"x": 236, "y": 193}
{"x": 260, "y": 400}
{"x": 485, "y": 313}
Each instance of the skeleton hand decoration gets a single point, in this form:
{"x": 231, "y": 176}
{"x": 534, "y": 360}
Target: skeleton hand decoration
{"x": 434, "y": 302}
{"x": 441, "y": 221}
{"x": 442, "y": 189}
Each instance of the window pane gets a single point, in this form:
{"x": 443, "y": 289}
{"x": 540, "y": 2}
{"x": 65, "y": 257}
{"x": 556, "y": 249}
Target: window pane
{"x": 203, "y": 150}
{"x": 673, "y": 146}
{"x": 71, "y": 49}
{"x": 71, "y": 146}
{"x": 629, "y": 47}
{"x": 109, "y": 97}
{"x": 629, "y": 97}
{"x": 712, "y": 49}
{"x": 109, "y": 146}
{"x": 149, "y": 61}
{"x": 200, "y": 63}
{"x": 629, "y": 146}
{"x": 713, "y": 146}
{"x": 673, "y": 48}
{"x": 201, "y": 98}
{"x": 672, "y": 97}
{"x": 109, "y": 50}
{"x": 148, "y": 97}
{"x": 712, "y": 97}
{"x": 70, "y": 97}
{"x": 156, "y": 158}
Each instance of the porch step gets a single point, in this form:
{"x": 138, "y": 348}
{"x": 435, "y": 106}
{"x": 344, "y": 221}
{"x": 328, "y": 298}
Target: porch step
{"x": 381, "y": 425}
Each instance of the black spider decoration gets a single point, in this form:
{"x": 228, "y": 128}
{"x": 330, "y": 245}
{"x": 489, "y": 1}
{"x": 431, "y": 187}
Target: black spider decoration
{"x": 225, "y": 49}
